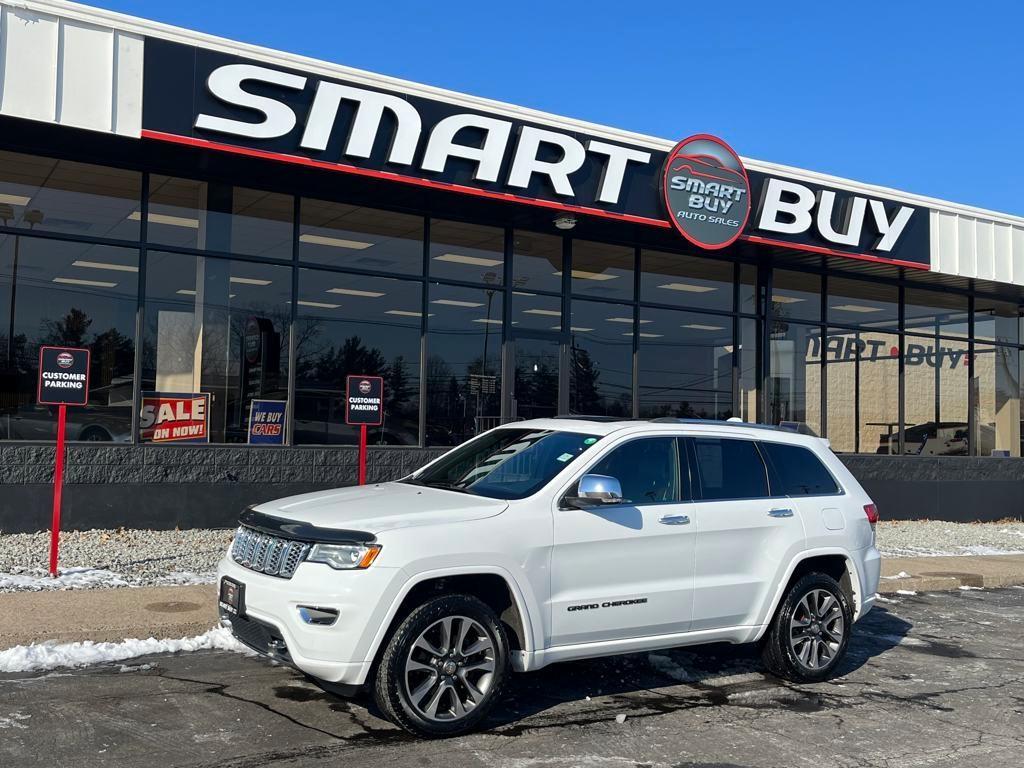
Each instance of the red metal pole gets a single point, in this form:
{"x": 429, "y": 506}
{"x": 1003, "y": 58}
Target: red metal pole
{"x": 362, "y": 454}
{"x": 58, "y": 486}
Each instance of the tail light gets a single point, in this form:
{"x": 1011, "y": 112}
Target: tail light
{"x": 872, "y": 512}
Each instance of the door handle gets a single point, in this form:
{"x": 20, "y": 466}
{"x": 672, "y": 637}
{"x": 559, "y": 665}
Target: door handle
{"x": 674, "y": 519}
{"x": 780, "y": 513}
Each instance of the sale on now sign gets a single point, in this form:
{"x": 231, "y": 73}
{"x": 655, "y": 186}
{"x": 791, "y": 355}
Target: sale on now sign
{"x": 171, "y": 417}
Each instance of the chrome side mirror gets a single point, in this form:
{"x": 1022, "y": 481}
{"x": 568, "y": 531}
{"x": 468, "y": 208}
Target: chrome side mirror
{"x": 596, "y": 490}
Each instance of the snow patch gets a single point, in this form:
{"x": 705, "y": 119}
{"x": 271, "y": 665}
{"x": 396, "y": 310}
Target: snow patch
{"x": 39, "y": 580}
{"x": 900, "y": 575}
{"x": 905, "y": 592}
{"x": 899, "y": 639}
{"x": 51, "y": 655}
{"x": 881, "y": 599}
{"x": 668, "y": 667}
{"x": 981, "y": 549}
{"x": 968, "y": 589}
{"x": 14, "y": 720}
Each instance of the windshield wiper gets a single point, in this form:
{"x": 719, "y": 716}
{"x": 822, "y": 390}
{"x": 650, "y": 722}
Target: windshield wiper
{"x": 442, "y": 486}
{"x": 449, "y": 487}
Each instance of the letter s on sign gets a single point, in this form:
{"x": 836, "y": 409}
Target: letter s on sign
{"x": 226, "y": 84}
{"x": 147, "y": 417}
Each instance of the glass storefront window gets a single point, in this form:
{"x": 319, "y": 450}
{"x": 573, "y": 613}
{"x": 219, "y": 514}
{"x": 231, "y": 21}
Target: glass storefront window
{"x": 536, "y": 262}
{"x": 601, "y": 359}
{"x": 935, "y": 312}
{"x": 686, "y": 281}
{"x": 796, "y": 295}
{"x": 75, "y": 295}
{"x": 794, "y": 385}
{"x": 189, "y": 213}
{"x": 354, "y": 237}
{"x": 602, "y": 271}
{"x": 44, "y": 194}
{"x": 863, "y": 303}
{"x": 686, "y": 365}
{"x": 998, "y": 422}
{"x": 749, "y": 382}
{"x": 463, "y": 363}
{"x": 469, "y": 252}
{"x": 535, "y": 312}
{"x": 936, "y": 406}
{"x": 997, "y": 320}
{"x": 177, "y": 213}
{"x": 862, "y": 370}
{"x": 220, "y": 327}
{"x": 372, "y": 328}
{"x": 261, "y": 223}
{"x": 748, "y": 289}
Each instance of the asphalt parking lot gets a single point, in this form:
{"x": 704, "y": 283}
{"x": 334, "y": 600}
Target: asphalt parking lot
{"x": 932, "y": 680}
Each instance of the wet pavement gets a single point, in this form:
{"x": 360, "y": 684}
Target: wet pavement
{"x": 930, "y": 680}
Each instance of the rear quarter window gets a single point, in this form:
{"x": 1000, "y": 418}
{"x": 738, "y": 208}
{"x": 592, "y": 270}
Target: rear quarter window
{"x": 797, "y": 471}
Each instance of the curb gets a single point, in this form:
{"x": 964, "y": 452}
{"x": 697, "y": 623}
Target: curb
{"x": 937, "y": 574}
{"x": 106, "y": 615}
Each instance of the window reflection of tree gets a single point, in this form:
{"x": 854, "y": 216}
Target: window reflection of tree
{"x": 322, "y": 364}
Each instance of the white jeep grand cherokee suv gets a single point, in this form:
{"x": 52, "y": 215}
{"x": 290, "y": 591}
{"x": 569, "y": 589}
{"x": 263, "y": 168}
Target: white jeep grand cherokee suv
{"x": 557, "y": 539}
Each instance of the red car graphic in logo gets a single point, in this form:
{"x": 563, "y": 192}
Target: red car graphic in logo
{"x": 707, "y": 167}
{"x": 365, "y": 387}
{"x": 65, "y": 359}
{"x": 707, "y": 192}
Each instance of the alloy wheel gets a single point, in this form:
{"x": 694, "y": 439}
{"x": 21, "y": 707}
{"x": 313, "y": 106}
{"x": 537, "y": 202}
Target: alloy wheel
{"x": 816, "y": 629}
{"x": 449, "y": 668}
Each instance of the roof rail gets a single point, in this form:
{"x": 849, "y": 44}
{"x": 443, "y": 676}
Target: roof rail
{"x": 786, "y": 426}
{"x": 720, "y": 422}
{"x": 580, "y": 417}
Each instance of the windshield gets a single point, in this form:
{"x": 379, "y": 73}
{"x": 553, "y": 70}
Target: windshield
{"x": 505, "y": 463}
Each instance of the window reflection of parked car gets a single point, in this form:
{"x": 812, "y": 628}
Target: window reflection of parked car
{"x": 90, "y": 424}
{"x": 107, "y": 418}
{"x": 947, "y": 438}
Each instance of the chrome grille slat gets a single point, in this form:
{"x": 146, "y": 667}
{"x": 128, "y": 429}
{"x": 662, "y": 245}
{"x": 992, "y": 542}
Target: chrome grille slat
{"x": 268, "y": 554}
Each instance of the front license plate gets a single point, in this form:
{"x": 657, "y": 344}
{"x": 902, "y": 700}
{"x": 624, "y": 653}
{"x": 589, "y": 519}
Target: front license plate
{"x": 232, "y": 596}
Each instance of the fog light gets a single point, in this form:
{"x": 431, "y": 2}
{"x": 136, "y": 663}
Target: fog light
{"x": 322, "y": 617}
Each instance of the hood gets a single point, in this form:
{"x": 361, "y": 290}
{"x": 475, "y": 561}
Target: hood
{"x": 382, "y": 507}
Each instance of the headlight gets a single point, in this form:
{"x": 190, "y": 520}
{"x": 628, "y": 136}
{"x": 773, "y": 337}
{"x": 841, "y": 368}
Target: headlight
{"x": 344, "y": 557}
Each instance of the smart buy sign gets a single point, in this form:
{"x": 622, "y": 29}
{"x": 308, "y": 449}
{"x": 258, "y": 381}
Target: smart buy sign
{"x": 172, "y": 417}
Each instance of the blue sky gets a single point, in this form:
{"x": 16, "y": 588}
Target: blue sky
{"x": 879, "y": 91}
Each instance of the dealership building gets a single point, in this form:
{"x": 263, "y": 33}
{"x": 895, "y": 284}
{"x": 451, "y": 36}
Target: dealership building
{"x": 222, "y": 225}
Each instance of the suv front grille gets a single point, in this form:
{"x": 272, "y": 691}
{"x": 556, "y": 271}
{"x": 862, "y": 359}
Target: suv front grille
{"x": 267, "y": 554}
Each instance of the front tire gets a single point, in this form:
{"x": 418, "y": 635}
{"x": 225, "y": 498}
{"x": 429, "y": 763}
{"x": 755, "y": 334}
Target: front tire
{"x": 810, "y": 631}
{"x": 444, "y": 667}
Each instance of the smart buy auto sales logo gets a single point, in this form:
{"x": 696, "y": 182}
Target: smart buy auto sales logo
{"x": 707, "y": 191}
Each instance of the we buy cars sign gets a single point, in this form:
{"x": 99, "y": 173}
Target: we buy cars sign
{"x": 171, "y": 417}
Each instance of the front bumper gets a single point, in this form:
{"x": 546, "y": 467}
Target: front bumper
{"x": 272, "y": 625}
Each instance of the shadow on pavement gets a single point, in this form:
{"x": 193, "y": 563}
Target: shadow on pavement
{"x": 649, "y": 684}
{"x": 646, "y": 684}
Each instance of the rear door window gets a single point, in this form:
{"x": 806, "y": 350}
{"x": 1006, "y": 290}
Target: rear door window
{"x": 797, "y": 471}
{"x": 729, "y": 468}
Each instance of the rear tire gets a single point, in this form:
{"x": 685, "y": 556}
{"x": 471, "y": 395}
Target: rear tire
{"x": 444, "y": 668}
{"x": 810, "y": 630}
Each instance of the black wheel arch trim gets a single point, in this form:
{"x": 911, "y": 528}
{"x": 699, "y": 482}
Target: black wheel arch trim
{"x": 301, "y": 531}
